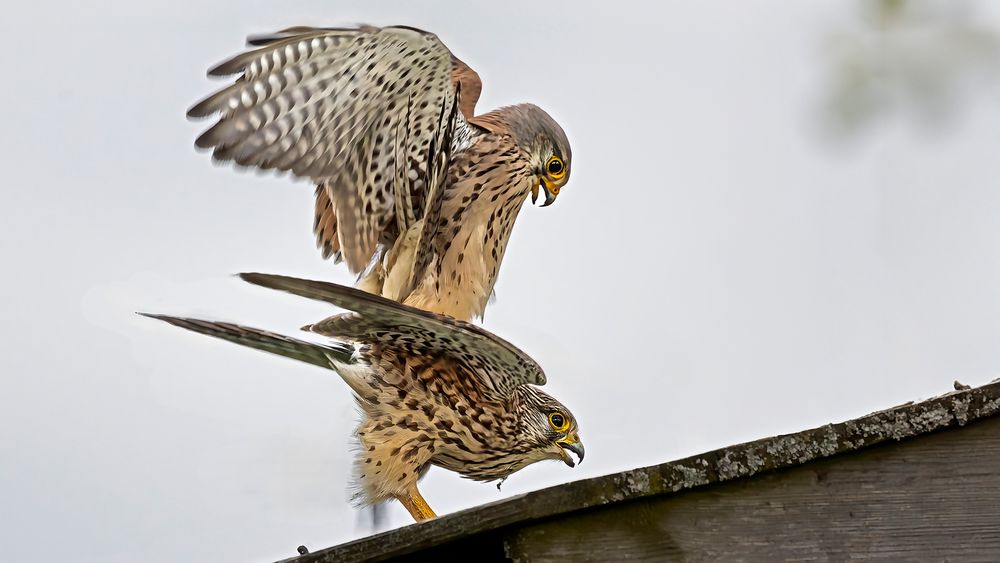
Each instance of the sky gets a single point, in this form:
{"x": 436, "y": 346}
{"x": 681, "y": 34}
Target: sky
{"x": 720, "y": 268}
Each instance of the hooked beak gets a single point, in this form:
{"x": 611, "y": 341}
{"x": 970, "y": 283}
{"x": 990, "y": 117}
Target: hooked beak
{"x": 573, "y": 444}
{"x": 551, "y": 191}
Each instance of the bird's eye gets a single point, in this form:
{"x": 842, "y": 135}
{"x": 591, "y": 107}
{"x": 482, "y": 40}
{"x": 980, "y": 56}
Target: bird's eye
{"x": 558, "y": 421}
{"x": 555, "y": 167}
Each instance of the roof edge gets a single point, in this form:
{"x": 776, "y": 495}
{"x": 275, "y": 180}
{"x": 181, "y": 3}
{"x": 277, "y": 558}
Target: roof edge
{"x": 954, "y": 409}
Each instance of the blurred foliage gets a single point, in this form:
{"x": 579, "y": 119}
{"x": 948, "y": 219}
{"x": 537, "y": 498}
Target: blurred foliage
{"x": 924, "y": 59}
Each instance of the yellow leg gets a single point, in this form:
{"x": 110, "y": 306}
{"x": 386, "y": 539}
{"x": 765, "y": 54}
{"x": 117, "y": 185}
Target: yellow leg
{"x": 416, "y": 505}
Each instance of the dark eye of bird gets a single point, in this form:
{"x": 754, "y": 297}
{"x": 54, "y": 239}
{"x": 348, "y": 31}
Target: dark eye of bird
{"x": 557, "y": 420}
{"x": 555, "y": 167}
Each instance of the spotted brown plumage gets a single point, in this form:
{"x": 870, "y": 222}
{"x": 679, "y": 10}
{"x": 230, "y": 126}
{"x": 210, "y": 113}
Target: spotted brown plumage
{"x": 414, "y": 191}
{"x": 433, "y": 390}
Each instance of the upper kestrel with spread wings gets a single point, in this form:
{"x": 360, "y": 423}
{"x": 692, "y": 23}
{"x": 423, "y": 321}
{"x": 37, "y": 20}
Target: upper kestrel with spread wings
{"x": 414, "y": 191}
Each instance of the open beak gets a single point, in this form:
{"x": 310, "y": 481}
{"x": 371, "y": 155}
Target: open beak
{"x": 551, "y": 191}
{"x": 573, "y": 444}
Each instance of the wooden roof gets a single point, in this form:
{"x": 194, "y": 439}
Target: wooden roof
{"x": 481, "y": 527}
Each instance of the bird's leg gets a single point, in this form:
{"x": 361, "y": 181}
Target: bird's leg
{"x": 416, "y": 505}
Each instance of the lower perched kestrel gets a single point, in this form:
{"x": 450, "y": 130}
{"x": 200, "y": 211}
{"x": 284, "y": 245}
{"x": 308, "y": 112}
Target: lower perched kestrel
{"x": 432, "y": 390}
{"x": 414, "y": 190}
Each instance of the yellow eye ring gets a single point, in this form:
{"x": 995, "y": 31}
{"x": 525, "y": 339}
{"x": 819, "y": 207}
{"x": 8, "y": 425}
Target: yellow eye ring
{"x": 555, "y": 168}
{"x": 559, "y": 421}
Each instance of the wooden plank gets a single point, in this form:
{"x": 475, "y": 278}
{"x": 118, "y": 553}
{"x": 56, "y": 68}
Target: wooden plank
{"x": 727, "y": 464}
{"x": 933, "y": 498}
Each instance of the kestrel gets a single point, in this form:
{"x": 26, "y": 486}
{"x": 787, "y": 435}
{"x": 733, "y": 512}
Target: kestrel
{"x": 414, "y": 191}
{"x": 432, "y": 390}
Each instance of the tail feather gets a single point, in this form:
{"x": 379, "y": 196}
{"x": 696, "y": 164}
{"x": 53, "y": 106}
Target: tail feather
{"x": 308, "y": 352}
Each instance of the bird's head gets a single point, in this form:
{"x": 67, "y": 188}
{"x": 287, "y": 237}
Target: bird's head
{"x": 536, "y": 133}
{"x": 547, "y": 429}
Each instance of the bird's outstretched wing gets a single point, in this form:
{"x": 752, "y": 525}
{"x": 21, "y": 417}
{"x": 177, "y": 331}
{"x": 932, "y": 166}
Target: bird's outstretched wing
{"x": 374, "y": 319}
{"x": 369, "y": 114}
{"x": 281, "y": 345}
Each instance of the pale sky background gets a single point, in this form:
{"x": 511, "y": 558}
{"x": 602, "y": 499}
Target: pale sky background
{"x": 718, "y": 270}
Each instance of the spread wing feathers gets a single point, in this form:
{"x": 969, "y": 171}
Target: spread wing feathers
{"x": 315, "y": 354}
{"x": 354, "y": 110}
{"x": 374, "y": 319}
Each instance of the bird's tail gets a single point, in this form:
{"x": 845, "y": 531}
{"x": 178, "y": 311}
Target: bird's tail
{"x": 316, "y": 354}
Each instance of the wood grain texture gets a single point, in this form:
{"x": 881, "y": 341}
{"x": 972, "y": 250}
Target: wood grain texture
{"x": 486, "y": 526}
{"x": 934, "y": 498}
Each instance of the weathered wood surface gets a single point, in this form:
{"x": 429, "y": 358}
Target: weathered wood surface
{"x": 934, "y": 498}
{"x": 489, "y": 524}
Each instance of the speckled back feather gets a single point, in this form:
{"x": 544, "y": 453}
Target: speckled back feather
{"x": 410, "y": 331}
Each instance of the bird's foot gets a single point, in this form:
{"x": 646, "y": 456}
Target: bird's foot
{"x": 416, "y": 505}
